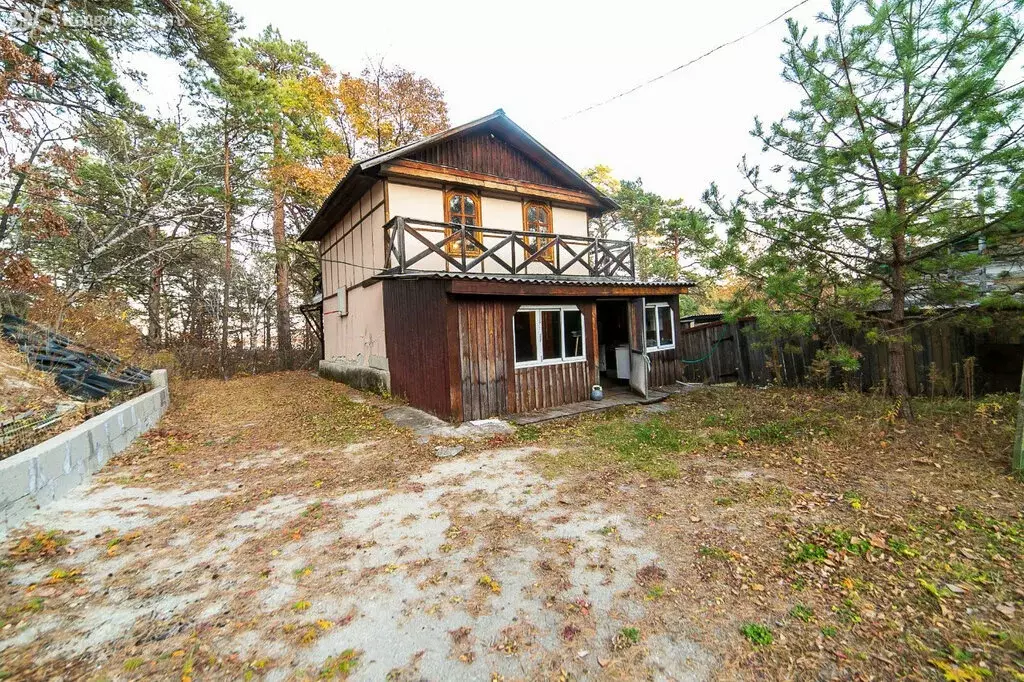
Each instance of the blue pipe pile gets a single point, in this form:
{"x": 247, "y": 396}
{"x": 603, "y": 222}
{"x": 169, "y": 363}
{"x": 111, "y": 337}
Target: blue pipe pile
{"x": 82, "y": 372}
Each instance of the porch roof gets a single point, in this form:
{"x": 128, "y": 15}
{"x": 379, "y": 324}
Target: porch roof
{"x": 480, "y": 284}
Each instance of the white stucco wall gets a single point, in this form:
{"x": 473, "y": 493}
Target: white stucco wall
{"x": 357, "y": 338}
{"x": 569, "y": 221}
{"x": 426, "y": 203}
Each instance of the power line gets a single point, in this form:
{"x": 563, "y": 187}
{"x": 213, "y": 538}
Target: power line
{"x": 683, "y": 66}
{"x": 354, "y": 265}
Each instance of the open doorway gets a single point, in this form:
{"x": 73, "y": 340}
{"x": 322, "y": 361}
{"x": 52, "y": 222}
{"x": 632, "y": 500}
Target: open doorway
{"x": 613, "y": 343}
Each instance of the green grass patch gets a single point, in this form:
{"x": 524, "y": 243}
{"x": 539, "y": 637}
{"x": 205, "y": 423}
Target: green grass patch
{"x": 645, "y": 446}
{"x": 720, "y": 420}
{"x": 656, "y": 592}
{"x": 711, "y": 552}
{"x": 901, "y": 548}
{"x": 757, "y": 634}
{"x": 802, "y": 612}
{"x": 771, "y": 432}
{"x": 528, "y": 434}
{"x": 807, "y": 552}
{"x": 340, "y": 666}
{"x": 631, "y": 635}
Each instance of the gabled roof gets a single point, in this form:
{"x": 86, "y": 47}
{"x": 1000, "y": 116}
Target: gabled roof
{"x": 363, "y": 173}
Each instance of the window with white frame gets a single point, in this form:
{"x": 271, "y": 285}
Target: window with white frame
{"x": 661, "y": 333}
{"x": 547, "y": 335}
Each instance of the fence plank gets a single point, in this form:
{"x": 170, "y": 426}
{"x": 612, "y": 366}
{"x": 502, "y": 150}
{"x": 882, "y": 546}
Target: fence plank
{"x": 741, "y": 355}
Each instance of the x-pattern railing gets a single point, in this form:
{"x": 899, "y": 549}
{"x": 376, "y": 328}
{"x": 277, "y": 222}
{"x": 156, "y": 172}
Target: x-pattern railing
{"x": 410, "y": 242}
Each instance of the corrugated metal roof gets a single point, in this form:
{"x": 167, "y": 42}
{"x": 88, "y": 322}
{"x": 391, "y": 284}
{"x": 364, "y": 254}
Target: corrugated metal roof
{"x": 534, "y": 279}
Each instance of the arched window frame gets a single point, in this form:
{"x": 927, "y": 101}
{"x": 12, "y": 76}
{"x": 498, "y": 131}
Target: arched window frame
{"x": 536, "y": 243}
{"x": 454, "y": 247}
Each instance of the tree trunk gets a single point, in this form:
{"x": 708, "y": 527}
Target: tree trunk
{"x": 153, "y": 306}
{"x": 12, "y": 200}
{"x": 284, "y": 332}
{"x": 897, "y": 355}
{"x": 224, "y": 315}
{"x": 1017, "y": 456}
{"x": 155, "y": 276}
{"x": 154, "y": 332}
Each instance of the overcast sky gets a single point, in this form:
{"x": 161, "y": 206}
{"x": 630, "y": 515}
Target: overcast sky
{"x": 542, "y": 60}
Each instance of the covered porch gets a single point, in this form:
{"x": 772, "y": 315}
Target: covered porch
{"x": 614, "y": 396}
{"x": 470, "y": 346}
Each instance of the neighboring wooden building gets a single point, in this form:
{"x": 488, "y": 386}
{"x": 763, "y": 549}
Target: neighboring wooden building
{"x": 458, "y": 274}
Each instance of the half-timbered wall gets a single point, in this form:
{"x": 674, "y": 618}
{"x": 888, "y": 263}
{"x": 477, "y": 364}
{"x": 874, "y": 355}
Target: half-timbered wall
{"x": 353, "y": 250}
{"x": 350, "y": 253}
{"x": 427, "y": 203}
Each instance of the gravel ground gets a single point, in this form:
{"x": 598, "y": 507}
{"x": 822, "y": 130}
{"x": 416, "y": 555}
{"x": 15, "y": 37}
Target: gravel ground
{"x": 209, "y": 555}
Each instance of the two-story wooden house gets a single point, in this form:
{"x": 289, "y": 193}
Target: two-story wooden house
{"x": 458, "y": 274}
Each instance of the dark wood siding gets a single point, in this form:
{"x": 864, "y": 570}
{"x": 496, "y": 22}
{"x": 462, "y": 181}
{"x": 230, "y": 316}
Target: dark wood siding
{"x": 483, "y": 152}
{"x": 665, "y": 366}
{"x": 551, "y": 385}
{"x": 943, "y": 357}
{"x": 417, "y": 342}
{"x": 490, "y": 383}
{"x": 536, "y": 388}
{"x": 454, "y": 357}
{"x": 483, "y": 357}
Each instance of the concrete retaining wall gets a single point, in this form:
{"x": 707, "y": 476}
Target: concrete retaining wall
{"x": 46, "y": 472}
{"x": 357, "y": 376}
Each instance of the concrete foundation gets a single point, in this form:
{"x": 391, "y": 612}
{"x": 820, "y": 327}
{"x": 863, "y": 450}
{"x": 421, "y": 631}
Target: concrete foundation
{"x": 46, "y": 472}
{"x": 357, "y": 376}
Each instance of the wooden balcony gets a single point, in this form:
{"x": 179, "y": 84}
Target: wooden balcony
{"x": 413, "y": 245}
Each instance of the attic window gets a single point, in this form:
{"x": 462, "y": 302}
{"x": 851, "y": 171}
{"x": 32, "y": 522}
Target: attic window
{"x": 462, "y": 207}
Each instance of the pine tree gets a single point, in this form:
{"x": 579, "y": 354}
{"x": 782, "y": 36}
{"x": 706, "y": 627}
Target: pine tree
{"x": 907, "y": 143}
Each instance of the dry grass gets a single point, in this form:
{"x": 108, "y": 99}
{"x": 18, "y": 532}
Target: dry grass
{"x": 21, "y": 387}
{"x": 288, "y": 422}
{"x": 276, "y": 437}
{"x": 862, "y": 548}
{"x": 798, "y": 534}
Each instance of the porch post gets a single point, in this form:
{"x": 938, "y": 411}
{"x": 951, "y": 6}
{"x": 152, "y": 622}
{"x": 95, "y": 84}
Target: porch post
{"x": 400, "y": 230}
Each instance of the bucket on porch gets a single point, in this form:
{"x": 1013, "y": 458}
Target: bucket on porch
{"x": 596, "y": 392}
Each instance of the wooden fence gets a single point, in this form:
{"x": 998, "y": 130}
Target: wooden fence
{"x": 942, "y": 359}
{"x": 204, "y": 363}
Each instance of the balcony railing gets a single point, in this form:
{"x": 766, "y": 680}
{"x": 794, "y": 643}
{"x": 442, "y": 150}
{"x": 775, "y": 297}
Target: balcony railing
{"x": 413, "y": 245}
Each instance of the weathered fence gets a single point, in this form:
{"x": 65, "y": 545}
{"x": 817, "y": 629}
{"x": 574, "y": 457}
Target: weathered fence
{"x": 942, "y": 358}
{"x": 204, "y": 363}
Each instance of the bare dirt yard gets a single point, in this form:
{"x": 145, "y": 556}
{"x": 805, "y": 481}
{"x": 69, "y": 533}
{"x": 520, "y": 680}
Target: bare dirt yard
{"x": 278, "y": 527}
